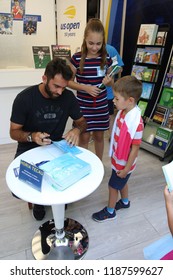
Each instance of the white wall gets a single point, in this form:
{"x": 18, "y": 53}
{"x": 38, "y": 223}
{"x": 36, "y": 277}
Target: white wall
{"x": 12, "y": 82}
{"x": 16, "y": 49}
{"x": 16, "y": 59}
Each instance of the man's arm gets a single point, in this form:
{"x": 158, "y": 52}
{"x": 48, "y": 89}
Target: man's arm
{"x": 17, "y": 133}
{"x": 72, "y": 136}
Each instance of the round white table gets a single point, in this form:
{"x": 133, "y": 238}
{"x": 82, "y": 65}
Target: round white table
{"x": 59, "y": 238}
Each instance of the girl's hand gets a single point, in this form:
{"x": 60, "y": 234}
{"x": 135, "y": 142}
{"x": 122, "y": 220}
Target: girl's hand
{"x": 107, "y": 81}
{"x": 92, "y": 90}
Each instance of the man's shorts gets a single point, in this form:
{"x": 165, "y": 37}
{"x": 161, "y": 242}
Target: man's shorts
{"x": 116, "y": 182}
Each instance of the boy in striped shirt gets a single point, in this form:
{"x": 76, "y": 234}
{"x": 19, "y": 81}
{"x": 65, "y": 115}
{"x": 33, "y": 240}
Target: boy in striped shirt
{"x": 124, "y": 146}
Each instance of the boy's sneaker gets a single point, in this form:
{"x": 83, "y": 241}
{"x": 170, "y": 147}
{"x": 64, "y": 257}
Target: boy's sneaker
{"x": 120, "y": 205}
{"x": 103, "y": 216}
{"x": 38, "y": 212}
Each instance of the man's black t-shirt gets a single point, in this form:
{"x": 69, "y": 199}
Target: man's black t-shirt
{"x": 37, "y": 113}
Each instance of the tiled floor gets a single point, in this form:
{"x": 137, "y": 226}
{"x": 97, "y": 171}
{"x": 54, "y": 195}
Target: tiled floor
{"x": 121, "y": 239}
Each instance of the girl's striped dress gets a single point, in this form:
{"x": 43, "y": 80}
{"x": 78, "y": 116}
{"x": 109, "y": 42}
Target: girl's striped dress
{"x": 94, "y": 109}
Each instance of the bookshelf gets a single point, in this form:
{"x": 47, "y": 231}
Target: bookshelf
{"x": 151, "y": 65}
{"x": 148, "y": 63}
{"x": 161, "y": 117}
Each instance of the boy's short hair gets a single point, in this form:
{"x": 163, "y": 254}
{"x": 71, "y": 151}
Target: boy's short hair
{"x": 128, "y": 86}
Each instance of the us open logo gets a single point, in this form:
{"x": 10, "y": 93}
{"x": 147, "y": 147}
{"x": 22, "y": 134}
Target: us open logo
{"x": 70, "y": 12}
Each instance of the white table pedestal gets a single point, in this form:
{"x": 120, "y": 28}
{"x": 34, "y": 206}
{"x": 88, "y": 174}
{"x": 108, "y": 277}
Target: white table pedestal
{"x": 60, "y": 238}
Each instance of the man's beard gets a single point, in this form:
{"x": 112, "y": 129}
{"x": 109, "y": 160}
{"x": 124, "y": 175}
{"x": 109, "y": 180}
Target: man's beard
{"x": 49, "y": 92}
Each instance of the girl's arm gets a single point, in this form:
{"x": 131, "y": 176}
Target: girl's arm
{"x": 92, "y": 90}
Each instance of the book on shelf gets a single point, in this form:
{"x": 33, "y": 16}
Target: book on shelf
{"x": 65, "y": 170}
{"x": 149, "y": 75}
{"x": 144, "y": 73}
{"x": 169, "y": 80}
{"x": 142, "y": 105}
{"x": 147, "y": 34}
{"x": 167, "y": 171}
{"x": 152, "y": 55}
{"x": 138, "y": 71}
{"x": 147, "y": 89}
{"x": 139, "y": 55}
{"x": 166, "y": 98}
{"x": 149, "y": 132}
{"x": 161, "y": 114}
{"x": 161, "y": 38}
{"x": 163, "y": 137}
{"x": 171, "y": 66}
{"x": 41, "y": 56}
{"x": 169, "y": 121}
{"x": 62, "y": 51}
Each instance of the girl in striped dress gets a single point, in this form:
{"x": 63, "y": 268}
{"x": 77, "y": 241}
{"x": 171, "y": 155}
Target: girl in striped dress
{"x": 90, "y": 68}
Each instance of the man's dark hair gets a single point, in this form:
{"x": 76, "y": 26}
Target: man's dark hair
{"x": 58, "y": 66}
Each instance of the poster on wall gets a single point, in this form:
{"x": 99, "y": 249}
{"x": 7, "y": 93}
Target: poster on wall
{"x": 30, "y": 24}
{"x": 71, "y": 22}
{"x": 41, "y": 56}
{"x": 18, "y": 9}
{"x": 6, "y": 24}
{"x": 62, "y": 51}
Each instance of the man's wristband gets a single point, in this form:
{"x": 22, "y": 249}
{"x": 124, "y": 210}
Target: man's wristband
{"x": 29, "y": 137}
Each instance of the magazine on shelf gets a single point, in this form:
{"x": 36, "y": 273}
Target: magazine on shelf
{"x": 147, "y": 89}
{"x": 169, "y": 80}
{"x": 62, "y": 51}
{"x": 161, "y": 114}
{"x": 142, "y": 105}
{"x": 161, "y": 38}
{"x": 41, "y": 56}
{"x": 167, "y": 97}
{"x": 167, "y": 171}
{"x": 138, "y": 71}
{"x": 149, "y": 75}
{"x": 144, "y": 73}
{"x": 163, "y": 137}
{"x": 169, "y": 121}
{"x": 139, "y": 55}
{"x": 152, "y": 55}
{"x": 65, "y": 170}
{"x": 147, "y": 34}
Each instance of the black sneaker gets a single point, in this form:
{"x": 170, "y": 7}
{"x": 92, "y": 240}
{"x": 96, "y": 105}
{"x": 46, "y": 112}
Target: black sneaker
{"x": 38, "y": 212}
{"x": 121, "y": 205}
{"x": 103, "y": 216}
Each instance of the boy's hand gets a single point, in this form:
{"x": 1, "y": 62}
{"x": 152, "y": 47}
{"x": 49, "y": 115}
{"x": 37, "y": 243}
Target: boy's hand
{"x": 122, "y": 173}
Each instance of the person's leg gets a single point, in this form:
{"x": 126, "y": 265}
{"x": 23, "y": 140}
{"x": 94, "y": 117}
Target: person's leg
{"x": 113, "y": 196}
{"x": 111, "y": 122}
{"x": 108, "y": 213}
{"x": 124, "y": 192}
{"x": 98, "y": 137}
{"x": 111, "y": 115}
{"x": 84, "y": 140}
{"x": 124, "y": 201}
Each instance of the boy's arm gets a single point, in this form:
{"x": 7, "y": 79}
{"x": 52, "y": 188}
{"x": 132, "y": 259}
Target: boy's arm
{"x": 133, "y": 154}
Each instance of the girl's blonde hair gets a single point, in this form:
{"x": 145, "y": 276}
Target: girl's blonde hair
{"x": 93, "y": 25}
